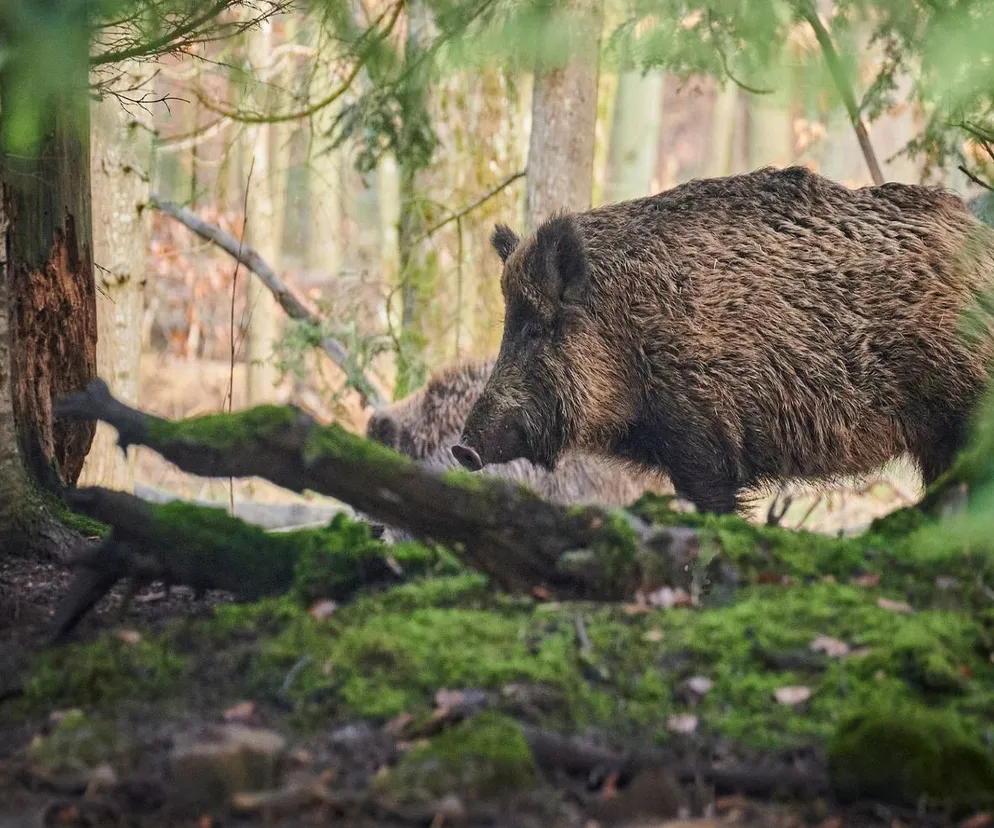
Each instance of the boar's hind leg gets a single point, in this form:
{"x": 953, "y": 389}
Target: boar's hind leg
{"x": 936, "y": 453}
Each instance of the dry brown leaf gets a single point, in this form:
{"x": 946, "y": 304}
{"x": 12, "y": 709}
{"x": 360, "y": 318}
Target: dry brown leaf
{"x": 870, "y": 579}
{"x": 323, "y": 609}
{"x": 447, "y": 699}
{"x": 832, "y": 647}
{"x": 241, "y": 712}
{"x": 699, "y": 684}
{"x": 130, "y": 636}
{"x": 636, "y": 609}
{"x": 792, "y": 694}
{"x": 682, "y": 723}
{"x": 730, "y": 802}
{"x": 398, "y": 723}
{"x": 894, "y": 606}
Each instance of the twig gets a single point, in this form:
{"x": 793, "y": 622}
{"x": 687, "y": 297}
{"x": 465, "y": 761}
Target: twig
{"x": 978, "y": 181}
{"x": 294, "y": 308}
{"x": 312, "y": 109}
{"x": 507, "y": 182}
{"x": 234, "y": 290}
{"x": 845, "y": 91}
{"x": 164, "y": 41}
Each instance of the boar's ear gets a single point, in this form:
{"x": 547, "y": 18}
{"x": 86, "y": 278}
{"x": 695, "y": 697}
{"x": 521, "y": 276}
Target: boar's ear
{"x": 504, "y": 240}
{"x": 564, "y": 261}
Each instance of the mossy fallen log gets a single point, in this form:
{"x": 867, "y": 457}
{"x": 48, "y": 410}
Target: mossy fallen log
{"x": 500, "y": 529}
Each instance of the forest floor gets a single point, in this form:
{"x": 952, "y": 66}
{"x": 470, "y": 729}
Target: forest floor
{"x": 439, "y": 701}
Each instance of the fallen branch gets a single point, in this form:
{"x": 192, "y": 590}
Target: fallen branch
{"x": 500, "y": 529}
{"x": 294, "y": 308}
{"x": 844, "y": 89}
{"x": 270, "y": 516}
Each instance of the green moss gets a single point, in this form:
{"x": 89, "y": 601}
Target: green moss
{"x": 335, "y": 441}
{"x": 611, "y": 560}
{"x": 481, "y": 759}
{"x": 905, "y": 752}
{"x": 104, "y": 672}
{"x": 200, "y": 540}
{"x": 86, "y": 526}
{"x": 224, "y": 431}
{"x": 77, "y": 740}
{"x": 336, "y": 561}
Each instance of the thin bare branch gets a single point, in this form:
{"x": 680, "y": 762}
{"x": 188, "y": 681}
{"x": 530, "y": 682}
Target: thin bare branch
{"x": 294, "y": 308}
{"x": 845, "y": 91}
{"x": 314, "y": 108}
{"x": 163, "y": 42}
{"x": 978, "y": 181}
{"x": 507, "y": 182}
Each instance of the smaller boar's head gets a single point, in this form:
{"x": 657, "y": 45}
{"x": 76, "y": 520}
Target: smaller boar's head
{"x": 382, "y": 429}
{"x": 537, "y": 402}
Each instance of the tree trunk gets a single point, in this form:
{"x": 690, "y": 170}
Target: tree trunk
{"x": 262, "y": 230}
{"x": 564, "y": 111}
{"x": 638, "y": 107}
{"x": 48, "y": 326}
{"x": 417, "y": 272}
{"x": 723, "y": 125}
{"x": 120, "y": 166}
{"x": 770, "y": 136}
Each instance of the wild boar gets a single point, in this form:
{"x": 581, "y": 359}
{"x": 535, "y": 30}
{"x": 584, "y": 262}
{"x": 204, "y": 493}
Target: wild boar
{"x": 736, "y": 333}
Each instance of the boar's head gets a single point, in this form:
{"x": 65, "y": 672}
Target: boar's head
{"x": 557, "y": 378}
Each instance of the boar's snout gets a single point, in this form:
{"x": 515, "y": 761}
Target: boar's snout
{"x": 486, "y": 441}
{"x": 467, "y": 457}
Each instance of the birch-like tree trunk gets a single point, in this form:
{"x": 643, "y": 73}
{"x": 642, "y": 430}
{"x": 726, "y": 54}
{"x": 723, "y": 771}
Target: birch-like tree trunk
{"x": 564, "y": 112}
{"x": 263, "y": 226}
{"x": 723, "y": 124}
{"x": 120, "y": 165}
{"x": 634, "y": 144}
{"x": 770, "y": 141}
{"x": 417, "y": 275}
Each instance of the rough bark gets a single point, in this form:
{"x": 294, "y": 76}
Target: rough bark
{"x": 46, "y": 199}
{"x": 120, "y": 164}
{"x": 14, "y": 483}
{"x": 564, "y": 112}
{"x": 47, "y": 319}
{"x": 638, "y": 108}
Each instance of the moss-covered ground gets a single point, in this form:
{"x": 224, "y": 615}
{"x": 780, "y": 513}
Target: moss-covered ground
{"x": 907, "y": 711}
{"x": 874, "y": 653}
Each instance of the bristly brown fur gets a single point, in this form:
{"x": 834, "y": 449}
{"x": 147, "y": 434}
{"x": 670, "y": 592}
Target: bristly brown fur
{"x": 425, "y": 424}
{"x": 739, "y": 331}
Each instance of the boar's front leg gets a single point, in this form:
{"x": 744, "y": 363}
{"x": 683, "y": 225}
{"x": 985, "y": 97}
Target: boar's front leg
{"x": 709, "y": 493}
{"x": 701, "y": 475}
